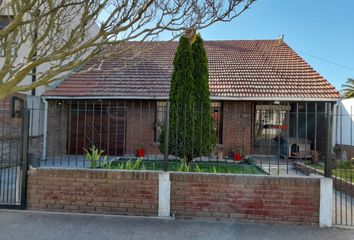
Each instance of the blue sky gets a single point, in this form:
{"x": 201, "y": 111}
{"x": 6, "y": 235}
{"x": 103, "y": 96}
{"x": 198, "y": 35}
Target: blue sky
{"x": 322, "y": 28}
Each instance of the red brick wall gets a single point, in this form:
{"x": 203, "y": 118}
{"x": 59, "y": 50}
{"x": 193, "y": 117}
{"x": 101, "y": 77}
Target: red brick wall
{"x": 237, "y": 126}
{"x": 57, "y": 129}
{"x": 93, "y": 191}
{"x": 255, "y": 198}
{"x": 193, "y": 195}
{"x": 140, "y": 131}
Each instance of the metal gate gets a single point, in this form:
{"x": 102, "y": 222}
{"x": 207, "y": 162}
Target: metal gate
{"x": 341, "y": 165}
{"x": 14, "y": 124}
{"x": 343, "y": 197}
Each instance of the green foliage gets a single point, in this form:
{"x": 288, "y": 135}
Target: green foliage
{"x": 340, "y": 164}
{"x": 197, "y": 168}
{"x": 348, "y": 88}
{"x": 128, "y": 165}
{"x": 93, "y": 155}
{"x": 205, "y": 139}
{"x": 137, "y": 163}
{"x": 191, "y": 131}
{"x": 183, "y": 166}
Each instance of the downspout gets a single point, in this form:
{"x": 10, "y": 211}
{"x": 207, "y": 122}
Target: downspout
{"x": 45, "y": 129}
{"x": 34, "y": 57}
{"x": 34, "y": 79}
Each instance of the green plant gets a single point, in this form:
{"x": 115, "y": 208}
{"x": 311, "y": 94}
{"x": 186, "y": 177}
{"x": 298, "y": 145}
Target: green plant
{"x": 154, "y": 166}
{"x": 204, "y": 125}
{"x": 191, "y": 131}
{"x": 183, "y": 166}
{"x": 137, "y": 163}
{"x": 143, "y": 167}
{"x": 93, "y": 155}
{"x": 348, "y": 88}
{"x": 215, "y": 170}
{"x": 344, "y": 164}
{"x": 197, "y": 168}
{"x": 106, "y": 163}
{"x": 128, "y": 165}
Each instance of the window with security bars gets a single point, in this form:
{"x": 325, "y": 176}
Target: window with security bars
{"x": 160, "y": 119}
{"x": 217, "y": 115}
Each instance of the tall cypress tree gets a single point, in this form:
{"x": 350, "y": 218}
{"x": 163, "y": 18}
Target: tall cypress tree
{"x": 181, "y": 103}
{"x": 191, "y": 131}
{"x": 204, "y": 126}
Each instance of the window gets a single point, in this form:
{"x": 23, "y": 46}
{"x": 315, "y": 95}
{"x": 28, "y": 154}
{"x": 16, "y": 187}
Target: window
{"x": 16, "y": 106}
{"x": 217, "y": 115}
{"x": 160, "y": 119}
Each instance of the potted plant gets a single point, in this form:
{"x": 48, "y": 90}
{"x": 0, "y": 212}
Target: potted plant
{"x": 140, "y": 152}
{"x": 237, "y": 154}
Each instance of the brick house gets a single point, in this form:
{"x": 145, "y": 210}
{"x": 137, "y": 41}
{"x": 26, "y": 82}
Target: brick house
{"x": 260, "y": 90}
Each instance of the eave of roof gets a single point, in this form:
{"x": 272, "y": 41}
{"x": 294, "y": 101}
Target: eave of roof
{"x": 215, "y": 98}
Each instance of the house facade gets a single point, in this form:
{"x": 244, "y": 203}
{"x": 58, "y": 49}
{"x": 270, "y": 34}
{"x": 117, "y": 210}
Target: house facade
{"x": 266, "y": 100}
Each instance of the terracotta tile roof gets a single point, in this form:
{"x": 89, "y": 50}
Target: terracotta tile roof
{"x": 240, "y": 69}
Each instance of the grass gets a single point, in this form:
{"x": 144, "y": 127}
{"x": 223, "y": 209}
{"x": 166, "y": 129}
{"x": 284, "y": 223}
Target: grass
{"x": 207, "y": 167}
{"x": 342, "y": 171}
{"x": 346, "y": 174}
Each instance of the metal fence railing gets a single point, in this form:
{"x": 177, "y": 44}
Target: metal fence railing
{"x": 13, "y": 157}
{"x": 276, "y": 138}
{"x": 271, "y": 137}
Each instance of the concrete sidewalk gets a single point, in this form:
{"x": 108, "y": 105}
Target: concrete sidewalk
{"x": 47, "y": 226}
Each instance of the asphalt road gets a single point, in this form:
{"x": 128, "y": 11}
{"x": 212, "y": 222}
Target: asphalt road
{"x": 38, "y": 225}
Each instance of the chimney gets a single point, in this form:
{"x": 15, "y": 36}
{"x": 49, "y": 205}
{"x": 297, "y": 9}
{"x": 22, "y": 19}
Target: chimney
{"x": 281, "y": 39}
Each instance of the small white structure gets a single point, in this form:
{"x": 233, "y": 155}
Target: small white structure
{"x": 343, "y": 126}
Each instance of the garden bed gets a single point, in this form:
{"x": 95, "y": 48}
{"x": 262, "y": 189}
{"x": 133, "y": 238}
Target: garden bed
{"x": 181, "y": 166}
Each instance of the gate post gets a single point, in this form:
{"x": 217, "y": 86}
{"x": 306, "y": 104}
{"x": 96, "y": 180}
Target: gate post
{"x": 326, "y": 202}
{"x": 24, "y": 155}
{"x": 328, "y": 167}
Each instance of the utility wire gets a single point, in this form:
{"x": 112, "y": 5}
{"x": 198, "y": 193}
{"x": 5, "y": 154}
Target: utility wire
{"x": 327, "y": 61}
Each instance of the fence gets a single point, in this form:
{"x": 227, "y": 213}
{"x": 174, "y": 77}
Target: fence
{"x": 266, "y": 138}
{"x": 13, "y": 157}
{"x": 270, "y": 136}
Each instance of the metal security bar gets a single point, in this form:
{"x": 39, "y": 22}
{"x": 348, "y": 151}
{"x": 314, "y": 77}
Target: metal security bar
{"x": 13, "y": 157}
{"x": 275, "y": 138}
{"x": 278, "y": 138}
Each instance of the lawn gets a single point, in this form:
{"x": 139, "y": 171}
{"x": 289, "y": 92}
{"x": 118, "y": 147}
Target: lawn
{"x": 341, "y": 171}
{"x": 208, "y": 167}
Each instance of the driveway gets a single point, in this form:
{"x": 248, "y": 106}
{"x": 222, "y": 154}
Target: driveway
{"x": 47, "y": 226}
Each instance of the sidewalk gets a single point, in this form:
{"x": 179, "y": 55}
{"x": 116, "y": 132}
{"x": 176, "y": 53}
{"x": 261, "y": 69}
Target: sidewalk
{"x": 47, "y": 226}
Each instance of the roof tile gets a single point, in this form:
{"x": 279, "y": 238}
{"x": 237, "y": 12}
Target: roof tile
{"x": 237, "y": 68}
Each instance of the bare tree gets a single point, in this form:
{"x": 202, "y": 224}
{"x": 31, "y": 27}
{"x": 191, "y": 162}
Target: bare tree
{"x": 57, "y": 32}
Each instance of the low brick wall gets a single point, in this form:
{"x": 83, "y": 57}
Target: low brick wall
{"x": 93, "y": 191}
{"x": 269, "y": 199}
{"x": 244, "y": 197}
